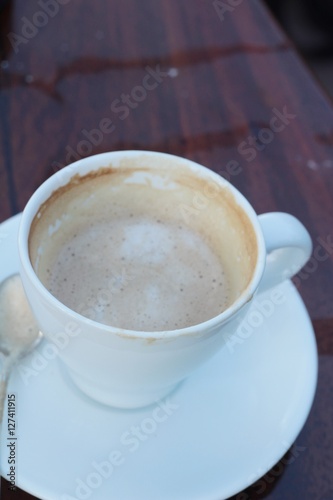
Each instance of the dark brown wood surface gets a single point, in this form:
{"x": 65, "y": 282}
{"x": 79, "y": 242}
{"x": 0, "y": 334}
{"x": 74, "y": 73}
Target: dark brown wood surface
{"x": 223, "y": 77}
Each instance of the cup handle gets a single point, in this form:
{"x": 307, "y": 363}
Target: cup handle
{"x": 288, "y": 247}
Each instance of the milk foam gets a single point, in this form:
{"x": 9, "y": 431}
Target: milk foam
{"x": 140, "y": 274}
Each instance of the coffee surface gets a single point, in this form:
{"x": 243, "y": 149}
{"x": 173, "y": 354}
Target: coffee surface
{"x": 121, "y": 253}
{"x": 139, "y": 273}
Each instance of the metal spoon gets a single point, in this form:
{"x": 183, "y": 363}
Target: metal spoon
{"x": 19, "y": 333}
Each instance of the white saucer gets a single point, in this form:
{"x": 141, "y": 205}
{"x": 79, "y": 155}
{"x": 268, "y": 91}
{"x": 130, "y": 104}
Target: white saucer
{"x": 235, "y": 418}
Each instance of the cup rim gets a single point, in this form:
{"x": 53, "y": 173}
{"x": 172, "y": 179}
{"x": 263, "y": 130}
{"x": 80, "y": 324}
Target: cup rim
{"x": 44, "y": 191}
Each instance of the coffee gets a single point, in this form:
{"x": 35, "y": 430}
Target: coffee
{"x": 129, "y": 248}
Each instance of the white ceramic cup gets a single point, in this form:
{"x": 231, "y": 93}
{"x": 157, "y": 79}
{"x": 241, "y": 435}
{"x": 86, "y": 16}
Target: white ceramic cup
{"x": 126, "y": 368}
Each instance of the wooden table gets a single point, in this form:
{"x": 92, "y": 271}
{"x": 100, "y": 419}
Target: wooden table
{"x": 201, "y": 79}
